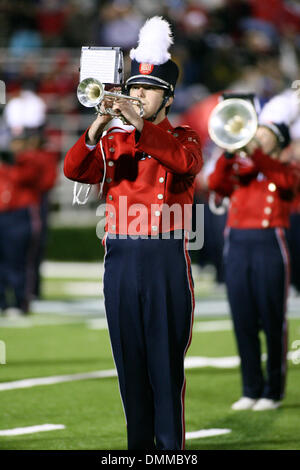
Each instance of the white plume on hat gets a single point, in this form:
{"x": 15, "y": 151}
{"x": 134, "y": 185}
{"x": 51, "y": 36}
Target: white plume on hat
{"x": 155, "y": 38}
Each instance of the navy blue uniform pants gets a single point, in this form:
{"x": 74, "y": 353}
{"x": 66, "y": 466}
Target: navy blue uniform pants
{"x": 17, "y": 237}
{"x": 212, "y": 251}
{"x": 149, "y": 306}
{"x": 257, "y": 279}
{"x": 294, "y": 246}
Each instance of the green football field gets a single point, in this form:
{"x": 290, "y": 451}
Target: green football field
{"x": 89, "y": 410}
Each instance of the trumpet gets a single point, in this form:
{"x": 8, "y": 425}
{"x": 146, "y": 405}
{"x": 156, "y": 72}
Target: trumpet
{"x": 91, "y": 92}
{"x": 232, "y": 124}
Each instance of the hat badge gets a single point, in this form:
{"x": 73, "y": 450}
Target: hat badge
{"x": 146, "y": 69}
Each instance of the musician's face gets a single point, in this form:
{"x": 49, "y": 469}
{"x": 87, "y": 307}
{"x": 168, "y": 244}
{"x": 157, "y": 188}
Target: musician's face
{"x": 151, "y": 98}
{"x": 267, "y": 139}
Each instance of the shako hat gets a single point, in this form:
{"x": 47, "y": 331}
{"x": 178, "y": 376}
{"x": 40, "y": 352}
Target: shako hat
{"x": 151, "y": 60}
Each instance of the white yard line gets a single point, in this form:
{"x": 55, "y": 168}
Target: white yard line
{"x": 28, "y": 383}
{"x": 206, "y": 433}
{"x": 191, "y": 362}
{"x": 54, "y": 427}
{"x": 83, "y": 288}
{"x": 32, "y": 321}
{"x": 31, "y": 429}
{"x": 86, "y": 307}
{"x": 97, "y": 324}
{"x": 100, "y": 323}
{"x": 224, "y": 325}
{"x": 199, "y": 326}
{"x": 72, "y": 270}
{"x": 221, "y": 325}
{"x": 95, "y": 306}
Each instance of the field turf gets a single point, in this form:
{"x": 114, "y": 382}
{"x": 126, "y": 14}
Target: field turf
{"x": 91, "y": 410}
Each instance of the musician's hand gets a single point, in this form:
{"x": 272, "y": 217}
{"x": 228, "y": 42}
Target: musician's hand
{"x": 264, "y": 139}
{"x": 253, "y": 145}
{"x": 97, "y": 128}
{"x": 130, "y": 112}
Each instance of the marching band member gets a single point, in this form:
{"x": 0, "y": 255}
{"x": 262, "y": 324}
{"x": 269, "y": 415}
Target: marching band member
{"x": 294, "y": 232}
{"x": 256, "y": 258}
{"x": 148, "y": 287}
{"x": 19, "y": 225}
{"x": 24, "y": 183}
{"x": 48, "y": 161}
{"x": 286, "y": 108}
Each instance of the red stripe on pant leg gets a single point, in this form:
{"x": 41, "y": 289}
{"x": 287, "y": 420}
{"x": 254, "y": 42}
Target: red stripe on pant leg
{"x": 188, "y": 261}
{"x": 183, "y": 416}
{"x": 286, "y": 260}
{"x": 190, "y": 283}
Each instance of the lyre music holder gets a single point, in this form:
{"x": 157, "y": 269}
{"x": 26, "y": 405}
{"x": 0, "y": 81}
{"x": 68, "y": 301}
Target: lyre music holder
{"x": 106, "y": 64}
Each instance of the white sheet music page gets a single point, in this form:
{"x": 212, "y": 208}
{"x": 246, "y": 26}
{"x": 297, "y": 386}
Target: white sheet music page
{"x": 99, "y": 64}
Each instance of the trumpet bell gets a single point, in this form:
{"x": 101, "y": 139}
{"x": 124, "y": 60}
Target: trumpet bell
{"x": 90, "y": 92}
{"x": 232, "y": 124}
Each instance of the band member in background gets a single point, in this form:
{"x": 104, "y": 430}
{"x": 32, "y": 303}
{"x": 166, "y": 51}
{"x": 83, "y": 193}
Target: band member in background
{"x": 25, "y": 181}
{"x": 148, "y": 287}
{"x": 294, "y": 232}
{"x": 256, "y": 259}
{"x": 19, "y": 227}
{"x": 37, "y": 150}
{"x": 286, "y": 108}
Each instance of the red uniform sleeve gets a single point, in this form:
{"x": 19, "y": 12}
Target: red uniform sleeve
{"x": 221, "y": 180}
{"x": 283, "y": 175}
{"x": 179, "y": 151}
{"x": 82, "y": 164}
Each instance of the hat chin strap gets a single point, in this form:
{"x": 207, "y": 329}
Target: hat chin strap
{"x": 163, "y": 104}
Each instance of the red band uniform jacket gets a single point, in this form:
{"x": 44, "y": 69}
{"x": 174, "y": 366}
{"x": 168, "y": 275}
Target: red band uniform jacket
{"x": 19, "y": 183}
{"x": 260, "y": 188}
{"x": 145, "y": 174}
{"x": 33, "y": 173}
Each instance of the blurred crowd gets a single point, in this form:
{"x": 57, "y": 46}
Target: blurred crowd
{"x": 236, "y": 45}
{"x": 218, "y": 43}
